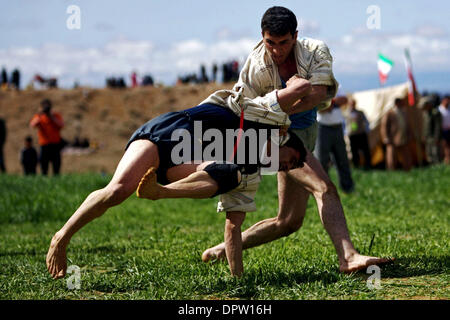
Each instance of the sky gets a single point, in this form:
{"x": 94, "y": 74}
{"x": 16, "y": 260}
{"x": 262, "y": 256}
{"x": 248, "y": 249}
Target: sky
{"x": 172, "y": 38}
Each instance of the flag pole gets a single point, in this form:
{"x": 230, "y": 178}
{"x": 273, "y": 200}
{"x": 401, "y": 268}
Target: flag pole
{"x": 412, "y": 90}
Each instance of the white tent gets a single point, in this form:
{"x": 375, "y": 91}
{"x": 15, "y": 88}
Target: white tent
{"x": 377, "y": 102}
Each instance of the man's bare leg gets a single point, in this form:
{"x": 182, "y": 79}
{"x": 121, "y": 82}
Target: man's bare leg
{"x": 292, "y": 209}
{"x": 310, "y": 178}
{"x": 140, "y": 155}
{"x": 194, "y": 183}
{"x": 233, "y": 242}
{"x": 390, "y": 157}
{"x": 446, "y": 148}
{"x": 332, "y": 216}
{"x": 197, "y": 185}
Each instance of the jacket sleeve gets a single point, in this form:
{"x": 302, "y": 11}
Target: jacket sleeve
{"x": 321, "y": 73}
{"x": 257, "y": 85}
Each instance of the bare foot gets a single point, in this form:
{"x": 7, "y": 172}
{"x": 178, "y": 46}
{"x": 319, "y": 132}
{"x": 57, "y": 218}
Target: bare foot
{"x": 148, "y": 187}
{"x": 359, "y": 262}
{"x": 56, "y": 258}
{"x": 215, "y": 253}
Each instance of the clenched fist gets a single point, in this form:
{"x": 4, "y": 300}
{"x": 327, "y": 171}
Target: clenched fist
{"x": 296, "y": 81}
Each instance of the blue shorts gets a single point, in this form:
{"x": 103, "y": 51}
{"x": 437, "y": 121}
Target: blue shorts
{"x": 159, "y": 131}
{"x": 446, "y": 135}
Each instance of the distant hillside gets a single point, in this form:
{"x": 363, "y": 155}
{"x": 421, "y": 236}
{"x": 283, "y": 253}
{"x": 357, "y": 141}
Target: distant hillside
{"x": 106, "y": 117}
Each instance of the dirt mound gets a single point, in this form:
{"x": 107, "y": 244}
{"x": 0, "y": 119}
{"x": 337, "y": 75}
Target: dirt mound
{"x": 107, "y": 117}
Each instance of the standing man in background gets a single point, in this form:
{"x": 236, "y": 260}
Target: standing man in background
{"x": 330, "y": 141}
{"x": 49, "y": 125}
{"x": 29, "y": 157}
{"x": 2, "y": 143}
{"x": 445, "y": 113}
{"x": 394, "y": 134}
{"x": 4, "y": 79}
{"x": 357, "y": 130}
{"x": 432, "y": 128}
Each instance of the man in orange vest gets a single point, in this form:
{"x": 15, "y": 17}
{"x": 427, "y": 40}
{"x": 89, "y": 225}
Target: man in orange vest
{"x": 48, "y": 124}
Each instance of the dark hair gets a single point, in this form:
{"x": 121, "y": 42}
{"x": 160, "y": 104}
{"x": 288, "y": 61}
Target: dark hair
{"x": 28, "y": 139}
{"x": 278, "y": 21}
{"x": 398, "y": 101}
{"x": 46, "y": 103}
{"x": 296, "y": 143}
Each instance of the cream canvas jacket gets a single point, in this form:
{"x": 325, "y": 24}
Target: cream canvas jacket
{"x": 259, "y": 80}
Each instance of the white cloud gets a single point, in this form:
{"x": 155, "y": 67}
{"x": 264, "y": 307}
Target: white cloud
{"x": 353, "y": 53}
{"x": 357, "y": 52}
{"x": 189, "y": 47}
{"x": 224, "y": 33}
{"x": 120, "y": 57}
{"x": 430, "y": 30}
{"x": 308, "y": 27}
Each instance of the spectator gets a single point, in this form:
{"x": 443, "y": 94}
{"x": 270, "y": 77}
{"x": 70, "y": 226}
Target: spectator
{"x": 226, "y": 73}
{"x": 111, "y": 82}
{"x": 393, "y": 132}
{"x": 357, "y": 130}
{"x": 432, "y": 125}
{"x": 46, "y": 82}
{"x": 4, "y": 79}
{"x": 190, "y": 78}
{"x": 147, "y": 80}
{"x": 49, "y": 125}
{"x": 116, "y": 83}
{"x": 29, "y": 157}
{"x": 330, "y": 141}
{"x": 134, "y": 82}
{"x": 2, "y": 143}
{"x": 203, "y": 76}
{"x": 121, "y": 83}
{"x": 234, "y": 70}
{"x": 443, "y": 109}
{"x": 15, "y": 79}
{"x": 214, "y": 72}
{"x": 414, "y": 132}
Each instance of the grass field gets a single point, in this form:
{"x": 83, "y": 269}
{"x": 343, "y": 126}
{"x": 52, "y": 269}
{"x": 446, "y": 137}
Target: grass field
{"x": 151, "y": 250}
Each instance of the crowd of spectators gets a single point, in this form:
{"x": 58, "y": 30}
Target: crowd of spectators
{"x": 10, "y": 82}
{"x": 230, "y": 73}
{"x": 411, "y": 136}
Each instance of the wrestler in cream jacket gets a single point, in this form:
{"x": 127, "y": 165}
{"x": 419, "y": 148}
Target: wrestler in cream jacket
{"x": 259, "y": 80}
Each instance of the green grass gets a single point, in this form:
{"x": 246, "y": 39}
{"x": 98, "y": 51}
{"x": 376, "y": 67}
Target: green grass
{"x": 151, "y": 250}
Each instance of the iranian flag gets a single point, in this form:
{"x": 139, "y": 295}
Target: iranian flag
{"x": 411, "y": 82}
{"x": 384, "y": 67}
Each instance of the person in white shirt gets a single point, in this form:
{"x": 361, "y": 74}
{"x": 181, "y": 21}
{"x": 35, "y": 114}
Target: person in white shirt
{"x": 445, "y": 112}
{"x": 330, "y": 142}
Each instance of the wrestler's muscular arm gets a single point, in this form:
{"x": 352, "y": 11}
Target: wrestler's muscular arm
{"x": 316, "y": 96}
{"x": 299, "y": 95}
